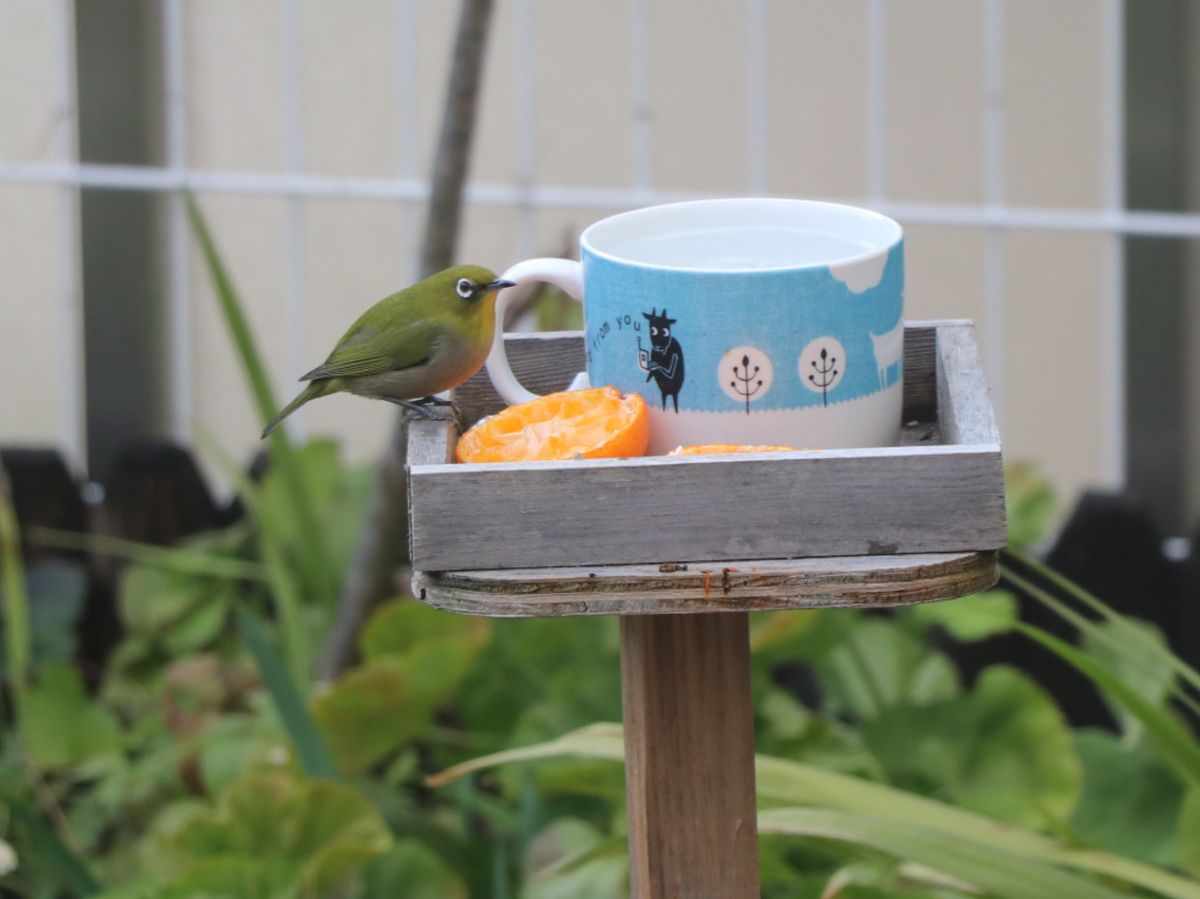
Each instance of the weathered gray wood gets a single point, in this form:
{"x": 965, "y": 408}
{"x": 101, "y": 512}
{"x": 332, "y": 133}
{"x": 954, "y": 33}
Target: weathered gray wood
{"x": 660, "y": 509}
{"x": 920, "y": 372}
{"x": 920, "y": 496}
{"x": 964, "y": 404}
{"x": 740, "y": 586}
{"x": 430, "y": 442}
{"x": 689, "y": 757}
{"x": 547, "y": 362}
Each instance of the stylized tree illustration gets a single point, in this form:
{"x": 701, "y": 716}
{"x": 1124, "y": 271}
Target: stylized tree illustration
{"x": 744, "y": 378}
{"x": 824, "y": 374}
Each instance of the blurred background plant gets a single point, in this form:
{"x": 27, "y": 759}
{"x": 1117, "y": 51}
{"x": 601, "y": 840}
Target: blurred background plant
{"x": 236, "y": 699}
{"x": 207, "y": 760}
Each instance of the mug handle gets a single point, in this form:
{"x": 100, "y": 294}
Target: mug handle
{"x": 564, "y": 274}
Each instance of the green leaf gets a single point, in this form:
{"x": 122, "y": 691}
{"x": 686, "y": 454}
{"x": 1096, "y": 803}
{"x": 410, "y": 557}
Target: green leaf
{"x": 879, "y": 665}
{"x": 993, "y": 870}
{"x": 374, "y": 709}
{"x": 970, "y": 618}
{"x": 1029, "y": 503}
{"x": 571, "y": 859}
{"x": 61, "y": 726}
{"x": 310, "y": 746}
{"x": 271, "y": 834}
{"x": 414, "y": 871}
{"x": 1130, "y": 801}
{"x": 1002, "y": 750}
{"x": 783, "y": 782}
{"x": 369, "y": 712}
{"x": 1166, "y": 733}
{"x": 400, "y": 626}
{"x": 1189, "y": 833}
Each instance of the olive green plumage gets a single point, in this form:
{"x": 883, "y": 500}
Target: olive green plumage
{"x": 415, "y": 343}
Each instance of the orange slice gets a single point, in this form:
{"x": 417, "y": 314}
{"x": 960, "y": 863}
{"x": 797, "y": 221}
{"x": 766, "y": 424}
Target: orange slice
{"x": 705, "y": 449}
{"x": 596, "y": 423}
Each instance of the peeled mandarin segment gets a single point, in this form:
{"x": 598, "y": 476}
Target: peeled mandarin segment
{"x": 594, "y": 423}
{"x": 705, "y": 449}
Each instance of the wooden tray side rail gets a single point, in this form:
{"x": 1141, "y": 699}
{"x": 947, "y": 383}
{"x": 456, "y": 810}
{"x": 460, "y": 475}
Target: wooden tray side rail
{"x": 940, "y": 491}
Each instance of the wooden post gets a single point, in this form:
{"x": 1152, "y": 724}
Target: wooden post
{"x": 689, "y": 756}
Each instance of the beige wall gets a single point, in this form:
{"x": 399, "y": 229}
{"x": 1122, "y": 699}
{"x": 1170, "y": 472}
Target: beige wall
{"x": 35, "y": 365}
{"x": 359, "y": 120}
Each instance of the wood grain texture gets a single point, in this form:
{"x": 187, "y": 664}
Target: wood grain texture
{"x": 430, "y": 442}
{"x": 859, "y": 581}
{"x": 964, "y": 404}
{"x": 939, "y": 490}
{"x": 752, "y": 506}
{"x": 689, "y": 757}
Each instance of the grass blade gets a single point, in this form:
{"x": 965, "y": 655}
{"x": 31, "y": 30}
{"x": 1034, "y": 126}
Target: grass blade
{"x": 68, "y": 867}
{"x": 995, "y": 871}
{"x": 310, "y": 745}
{"x": 1179, "y": 748}
{"x": 284, "y": 590}
{"x": 315, "y": 558}
{"x": 173, "y": 558}
{"x": 17, "y": 632}
{"x": 1186, "y": 672}
{"x": 784, "y": 782}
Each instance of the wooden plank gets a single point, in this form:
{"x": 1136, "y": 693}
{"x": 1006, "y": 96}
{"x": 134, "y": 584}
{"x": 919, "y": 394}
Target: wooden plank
{"x": 689, "y": 757}
{"x": 754, "y": 506}
{"x": 963, "y": 403}
{"x": 430, "y": 442}
{"x": 547, "y": 362}
{"x": 740, "y": 586}
{"x": 920, "y": 372}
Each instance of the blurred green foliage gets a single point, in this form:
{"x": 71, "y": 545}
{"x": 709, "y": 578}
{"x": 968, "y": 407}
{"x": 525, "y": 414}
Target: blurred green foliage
{"x": 208, "y": 762}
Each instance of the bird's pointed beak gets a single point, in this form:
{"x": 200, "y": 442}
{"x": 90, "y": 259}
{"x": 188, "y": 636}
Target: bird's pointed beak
{"x": 498, "y": 284}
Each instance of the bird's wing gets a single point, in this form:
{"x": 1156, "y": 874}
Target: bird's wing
{"x": 365, "y": 353}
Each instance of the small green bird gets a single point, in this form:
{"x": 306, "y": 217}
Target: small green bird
{"x": 417, "y": 342}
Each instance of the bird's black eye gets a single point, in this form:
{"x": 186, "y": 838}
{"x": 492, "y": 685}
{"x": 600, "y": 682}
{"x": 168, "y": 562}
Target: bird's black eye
{"x": 666, "y": 332}
{"x": 464, "y": 288}
{"x": 653, "y": 331}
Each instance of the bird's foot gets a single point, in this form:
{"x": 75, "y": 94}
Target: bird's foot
{"x": 430, "y": 408}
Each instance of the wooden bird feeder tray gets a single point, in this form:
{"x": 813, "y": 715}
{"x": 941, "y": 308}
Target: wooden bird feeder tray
{"x": 684, "y": 547}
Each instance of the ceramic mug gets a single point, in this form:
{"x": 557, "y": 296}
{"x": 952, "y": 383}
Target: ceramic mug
{"x": 761, "y": 321}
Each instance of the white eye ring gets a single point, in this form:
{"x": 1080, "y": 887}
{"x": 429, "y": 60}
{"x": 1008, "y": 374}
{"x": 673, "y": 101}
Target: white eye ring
{"x": 666, "y": 332}
{"x": 464, "y": 288}
{"x": 653, "y": 331}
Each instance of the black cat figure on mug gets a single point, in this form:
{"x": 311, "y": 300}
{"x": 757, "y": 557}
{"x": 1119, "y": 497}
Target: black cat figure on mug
{"x": 664, "y": 362}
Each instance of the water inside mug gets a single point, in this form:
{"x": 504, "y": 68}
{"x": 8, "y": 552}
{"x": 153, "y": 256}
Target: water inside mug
{"x": 740, "y": 248}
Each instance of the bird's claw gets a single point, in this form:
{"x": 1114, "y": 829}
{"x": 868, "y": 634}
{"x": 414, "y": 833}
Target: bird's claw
{"x": 430, "y": 408}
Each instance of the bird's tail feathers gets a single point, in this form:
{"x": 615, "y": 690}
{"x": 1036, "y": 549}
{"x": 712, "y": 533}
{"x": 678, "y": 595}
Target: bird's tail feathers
{"x": 311, "y": 391}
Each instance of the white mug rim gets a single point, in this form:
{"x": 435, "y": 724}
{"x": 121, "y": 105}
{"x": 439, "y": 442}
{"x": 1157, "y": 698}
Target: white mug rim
{"x": 895, "y": 234}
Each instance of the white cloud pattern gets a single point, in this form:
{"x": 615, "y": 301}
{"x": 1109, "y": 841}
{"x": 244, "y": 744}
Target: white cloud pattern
{"x": 861, "y": 274}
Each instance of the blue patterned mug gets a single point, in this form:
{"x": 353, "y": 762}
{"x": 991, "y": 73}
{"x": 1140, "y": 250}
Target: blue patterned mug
{"x": 761, "y": 321}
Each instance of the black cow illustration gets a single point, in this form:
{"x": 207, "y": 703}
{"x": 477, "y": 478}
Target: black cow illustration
{"x": 665, "y": 359}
